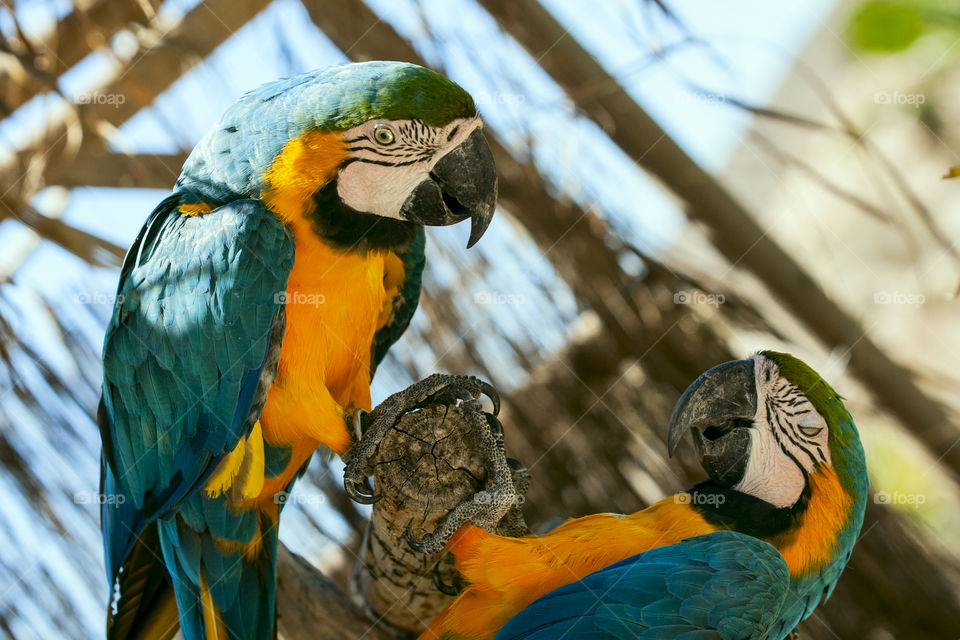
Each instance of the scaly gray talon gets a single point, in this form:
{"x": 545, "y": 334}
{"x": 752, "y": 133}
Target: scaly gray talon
{"x": 520, "y": 475}
{"x": 513, "y": 524}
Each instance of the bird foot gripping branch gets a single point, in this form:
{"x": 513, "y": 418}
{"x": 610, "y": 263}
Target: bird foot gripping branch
{"x": 372, "y": 427}
{"x": 438, "y": 461}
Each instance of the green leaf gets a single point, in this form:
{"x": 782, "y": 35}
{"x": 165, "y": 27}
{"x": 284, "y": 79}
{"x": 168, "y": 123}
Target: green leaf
{"x": 886, "y": 26}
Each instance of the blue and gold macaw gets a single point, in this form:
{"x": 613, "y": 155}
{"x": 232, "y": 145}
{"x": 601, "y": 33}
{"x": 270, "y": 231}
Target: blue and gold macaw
{"x": 745, "y": 555}
{"x": 252, "y": 310}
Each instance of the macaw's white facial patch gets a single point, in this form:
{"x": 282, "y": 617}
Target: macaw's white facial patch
{"x": 389, "y": 158}
{"x": 788, "y": 439}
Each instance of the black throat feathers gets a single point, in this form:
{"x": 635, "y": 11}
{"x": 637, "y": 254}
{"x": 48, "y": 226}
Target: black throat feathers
{"x": 348, "y": 229}
{"x": 731, "y": 509}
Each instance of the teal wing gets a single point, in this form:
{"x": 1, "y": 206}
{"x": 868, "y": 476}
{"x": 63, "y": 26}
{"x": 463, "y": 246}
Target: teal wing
{"x": 187, "y": 362}
{"x": 720, "y": 586}
{"x": 405, "y": 303}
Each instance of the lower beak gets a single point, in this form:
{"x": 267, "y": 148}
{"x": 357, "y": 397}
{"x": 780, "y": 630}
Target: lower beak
{"x": 718, "y": 409}
{"x": 462, "y": 185}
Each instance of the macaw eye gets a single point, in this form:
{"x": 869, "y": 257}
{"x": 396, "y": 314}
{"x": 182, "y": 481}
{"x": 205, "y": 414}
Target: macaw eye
{"x": 810, "y": 425}
{"x": 383, "y": 135}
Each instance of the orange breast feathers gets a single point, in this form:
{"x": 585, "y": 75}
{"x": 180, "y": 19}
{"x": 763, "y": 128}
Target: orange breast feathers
{"x": 334, "y": 303}
{"x": 507, "y": 574}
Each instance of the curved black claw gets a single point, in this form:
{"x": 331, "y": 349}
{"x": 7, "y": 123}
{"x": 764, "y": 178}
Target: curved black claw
{"x": 443, "y": 587}
{"x": 413, "y": 543}
{"x": 493, "y": 394}
{"x": 495, "y": 425}
{"x": 361, "y": 492}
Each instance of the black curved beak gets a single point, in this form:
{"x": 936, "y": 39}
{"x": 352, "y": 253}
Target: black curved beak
{"x": 718, "y": 409}
{"x": 462, "y": 185}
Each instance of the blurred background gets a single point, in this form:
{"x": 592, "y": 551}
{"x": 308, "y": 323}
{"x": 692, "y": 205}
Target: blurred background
{"x": 682, "y": 183}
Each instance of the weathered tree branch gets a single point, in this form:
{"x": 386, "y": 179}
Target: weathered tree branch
{"x": 80, "y": 32}
{"x": 90, "y": 248}
{"x": 311, "y": 607}
{"x": 149, "y": 73}
{"x": 99, "y": 168}
{"x": 152, "y": 71}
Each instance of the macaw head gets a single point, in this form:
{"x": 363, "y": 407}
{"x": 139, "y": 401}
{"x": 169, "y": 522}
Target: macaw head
{"x": 765, "y": 425}
{"x": 359, "y": 153}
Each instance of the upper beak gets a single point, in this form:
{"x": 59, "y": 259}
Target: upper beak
{"x": 718, "y": 409}
{"x": 463, "y": 184}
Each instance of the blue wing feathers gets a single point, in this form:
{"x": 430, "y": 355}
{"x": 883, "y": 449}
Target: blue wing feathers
{"x": 173, "y": 369}
{"x": 183, "y": 357}
{"x": 723, "y": 585}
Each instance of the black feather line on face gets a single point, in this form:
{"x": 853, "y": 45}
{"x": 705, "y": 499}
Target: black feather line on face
{"x": 346, "y": 228}
{"x": 790, "y": 396}
{"x": 789, "y": 430}
{"x": 776, "y": 436}
{"x": 386, "y": 164}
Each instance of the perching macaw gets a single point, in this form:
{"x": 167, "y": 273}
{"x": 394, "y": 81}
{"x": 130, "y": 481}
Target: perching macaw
{"x": 745, "y": 555}
{"x": 252, "y": 310}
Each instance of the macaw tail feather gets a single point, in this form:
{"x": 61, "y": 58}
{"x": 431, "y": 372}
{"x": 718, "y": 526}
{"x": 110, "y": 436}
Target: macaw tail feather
{"x": 225, "y": 590}
{"x": 143, "y": 606}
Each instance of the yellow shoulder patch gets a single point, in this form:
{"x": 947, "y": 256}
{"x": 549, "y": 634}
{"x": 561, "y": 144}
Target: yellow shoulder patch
{"x": 195, "y": 208}
{"x": 303, "y": 167}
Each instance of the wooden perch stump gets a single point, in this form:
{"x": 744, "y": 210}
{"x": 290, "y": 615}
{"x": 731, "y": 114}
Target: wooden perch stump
{"x": 431, "y": 461}
{"x": 426, "y": 466}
